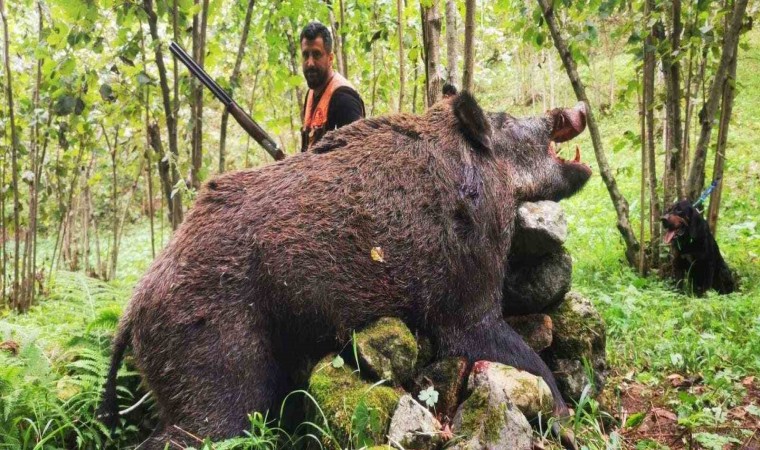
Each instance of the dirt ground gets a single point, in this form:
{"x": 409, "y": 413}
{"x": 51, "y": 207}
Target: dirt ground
{"x": 659, "y": 426}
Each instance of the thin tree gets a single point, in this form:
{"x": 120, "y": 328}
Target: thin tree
{"x": 400, "y": 13}
{"x": 234, "y": 81}
{"x": 618, "y": 201}
{"x": 730, "y": 38}
{"x": 469, "y": 45}
{"x": 649, "y": 67}
{"x": 196, "y": 116}
{"x": 342, "y": 31}
{"x": 337, "y": 43}
{"x": 174, "y": 201}
{"x": 431, "y": 37}
{"x": 671, "y": 68}
{"x": 14, "y": 161}
{"x": 729, "y": 91}
{"x": 452, "y": 51}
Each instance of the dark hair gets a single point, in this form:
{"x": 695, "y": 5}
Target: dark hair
{"x": 315, "y": 29}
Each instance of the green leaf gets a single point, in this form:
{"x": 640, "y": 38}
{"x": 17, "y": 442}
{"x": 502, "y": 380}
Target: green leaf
{"x": 338, "y": 362}
{"x": 143, "y": 79}
{"x": 65, "y": 105}
{"x": 429, "y": 396}
{"x": 635, "y": 420}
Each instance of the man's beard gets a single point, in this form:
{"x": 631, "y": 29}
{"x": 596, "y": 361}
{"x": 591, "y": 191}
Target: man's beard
{"x": 315, "y": 78}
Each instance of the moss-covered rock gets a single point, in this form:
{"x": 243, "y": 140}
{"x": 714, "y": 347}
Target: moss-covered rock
{"x": 352, "y": 406}
{"x": 448, "y": 377}
{"x": 579, "y": 334}
{"x": 489, "y": 420}
{"x": 529, "y": 393}
{"x": 388, "y": 350}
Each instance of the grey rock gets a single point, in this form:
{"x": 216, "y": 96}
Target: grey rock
{"x": 533, "y": 285}
{"x": 579, "y": 334}
{"x": 541, "y": 228}
{"x": 413, "y": 426}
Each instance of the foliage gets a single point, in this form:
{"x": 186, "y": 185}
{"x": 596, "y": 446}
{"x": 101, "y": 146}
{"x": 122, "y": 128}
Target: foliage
{"x": 97, "y": 74}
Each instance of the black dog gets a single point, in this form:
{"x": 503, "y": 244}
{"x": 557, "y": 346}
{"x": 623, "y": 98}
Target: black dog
{"x": 695, "y": 253}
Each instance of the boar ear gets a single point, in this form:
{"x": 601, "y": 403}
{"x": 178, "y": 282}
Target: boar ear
{"x": 472, "y": 120}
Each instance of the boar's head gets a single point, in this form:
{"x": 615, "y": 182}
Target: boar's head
{"x": 529, "y": 145}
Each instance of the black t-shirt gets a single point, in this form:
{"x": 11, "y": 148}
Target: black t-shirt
{"x": 346, "y": 106}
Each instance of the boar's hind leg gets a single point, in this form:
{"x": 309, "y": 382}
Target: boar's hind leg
{"x": 223, "y": 371}
{"x": 492, "y": 339}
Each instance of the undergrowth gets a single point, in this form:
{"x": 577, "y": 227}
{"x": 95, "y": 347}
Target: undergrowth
{"x": 50, "y": 385}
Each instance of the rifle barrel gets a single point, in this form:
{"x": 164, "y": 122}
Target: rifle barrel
{"x": 201, "y": 74}
{"x": 245, "y": 121}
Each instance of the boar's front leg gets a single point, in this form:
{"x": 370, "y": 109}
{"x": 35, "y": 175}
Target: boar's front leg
{"x": 492, "y": 339}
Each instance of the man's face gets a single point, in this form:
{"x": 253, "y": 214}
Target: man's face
{"x": 317, "y": 63}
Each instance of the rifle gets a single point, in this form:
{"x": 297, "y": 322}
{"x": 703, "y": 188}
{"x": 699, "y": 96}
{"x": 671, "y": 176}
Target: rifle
{"x": 245, "y": 121}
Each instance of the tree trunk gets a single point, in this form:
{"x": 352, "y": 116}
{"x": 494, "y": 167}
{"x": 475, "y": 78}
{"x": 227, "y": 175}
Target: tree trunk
{"x": 343, "y": 45}
{"x": 234, "y": 81}
{"x": 113, "y": 150}
{"x": 644, "y": 176}
{"x": 154, "y": 139}
{"x": 619, "y": 202}
{"x": 4, "y": 232}
{"x": 122, "y": 219}
{"x": 400, "y": 12}
{"x": 14, "y": 163}
{"x": 431, "y": 37}
{"x": 654, "y": 204}
{"x": 337, "y": 44}
{"x": 729, "y": 90}
{"x": 175, "y": 202}
{"x": 452, "y": 50}
{"x": 251, "y": 105}
{"x": 29, "y": 263}
{"x": 707, "y": 115}
{"x": 469, "y": 45}
{"x": 688, "y": 107}
{"x": 671, "y": 67}
{"x": 199, "y": 53}
{"x": 414, "y": 91}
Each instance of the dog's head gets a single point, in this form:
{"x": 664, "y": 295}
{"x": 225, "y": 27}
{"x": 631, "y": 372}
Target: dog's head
{"x": 683, "y": 219}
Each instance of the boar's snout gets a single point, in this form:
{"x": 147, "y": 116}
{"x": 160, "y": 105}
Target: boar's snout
{"x": 568, "y": 123}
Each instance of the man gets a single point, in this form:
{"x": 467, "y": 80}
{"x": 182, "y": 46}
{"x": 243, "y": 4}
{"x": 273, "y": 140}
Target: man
{"x": 331, "y": 101}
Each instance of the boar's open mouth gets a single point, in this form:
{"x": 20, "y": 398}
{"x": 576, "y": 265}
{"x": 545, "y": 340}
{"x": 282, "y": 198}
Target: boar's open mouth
{"x": 568, "y": 123}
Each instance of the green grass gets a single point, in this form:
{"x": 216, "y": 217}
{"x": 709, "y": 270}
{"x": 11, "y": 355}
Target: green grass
{"x": 49, "y": 391}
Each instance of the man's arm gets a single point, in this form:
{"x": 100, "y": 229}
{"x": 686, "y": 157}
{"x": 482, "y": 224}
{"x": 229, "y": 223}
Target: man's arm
{"x": 345, "y": 107}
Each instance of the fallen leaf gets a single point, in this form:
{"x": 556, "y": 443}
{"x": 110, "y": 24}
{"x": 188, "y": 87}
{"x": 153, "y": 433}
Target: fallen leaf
{"x": 676, "y": 380}
{"x": 377, "y": 254}
{"x": 664, "y": 414}
{"x": 748, "y": 382}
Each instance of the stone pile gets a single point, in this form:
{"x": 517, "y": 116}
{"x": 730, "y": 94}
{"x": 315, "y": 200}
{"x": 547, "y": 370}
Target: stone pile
{"x": 423, "y": 403}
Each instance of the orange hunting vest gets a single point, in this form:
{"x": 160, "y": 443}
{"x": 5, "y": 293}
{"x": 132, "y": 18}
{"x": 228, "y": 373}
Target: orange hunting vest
{"x": 315, "y": 119}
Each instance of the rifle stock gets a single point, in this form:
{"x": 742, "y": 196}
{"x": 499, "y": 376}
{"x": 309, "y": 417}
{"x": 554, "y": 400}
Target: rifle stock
{"x": 245, "y": 121}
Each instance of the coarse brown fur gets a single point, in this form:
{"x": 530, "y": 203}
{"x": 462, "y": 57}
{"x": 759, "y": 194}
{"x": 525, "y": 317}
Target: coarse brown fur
{"x": 274, "y": 265}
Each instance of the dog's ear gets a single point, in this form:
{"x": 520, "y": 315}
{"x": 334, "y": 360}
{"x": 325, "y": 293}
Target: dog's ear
{"x": 697, "y": 225}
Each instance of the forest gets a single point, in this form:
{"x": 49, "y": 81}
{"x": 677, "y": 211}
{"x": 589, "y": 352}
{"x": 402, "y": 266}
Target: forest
{"x": 107, "y": 140}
